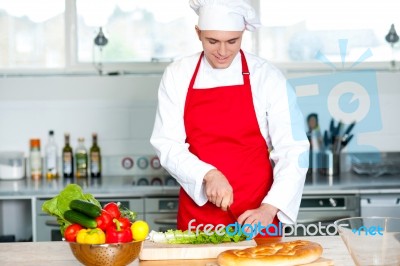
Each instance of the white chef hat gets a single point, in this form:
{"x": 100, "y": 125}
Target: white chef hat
{"x": 225, "y": 15}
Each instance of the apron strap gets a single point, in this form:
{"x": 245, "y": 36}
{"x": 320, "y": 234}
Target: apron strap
{"x": 195, "y": 71}
{"x": 245, "y": 70}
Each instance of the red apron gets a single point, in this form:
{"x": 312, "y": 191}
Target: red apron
{"x": 222, "y": 130}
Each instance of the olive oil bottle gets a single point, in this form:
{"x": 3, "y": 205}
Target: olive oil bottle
{"x": 51, "y": 158}
{"x": 95, "y": 158}
{"x": 81, "y": 159}
{"x": 67, "y": 158}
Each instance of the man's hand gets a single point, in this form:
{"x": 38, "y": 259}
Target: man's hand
{"x": 264, "y": 214}
{"x": 218, "y": 190}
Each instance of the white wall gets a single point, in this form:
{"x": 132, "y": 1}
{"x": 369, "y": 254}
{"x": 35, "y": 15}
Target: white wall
{"x": 121, "y": 110}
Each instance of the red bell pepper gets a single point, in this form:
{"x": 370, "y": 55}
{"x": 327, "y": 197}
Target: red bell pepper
{"x": 116, "y": 234}
{"x": 124, "y": 222}
{"x": 113, "y": 209}
{"x": 104, "y": 220}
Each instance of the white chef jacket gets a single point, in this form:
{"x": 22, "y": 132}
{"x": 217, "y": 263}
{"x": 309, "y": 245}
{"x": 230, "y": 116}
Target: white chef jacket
{"x": 270, "y": 98}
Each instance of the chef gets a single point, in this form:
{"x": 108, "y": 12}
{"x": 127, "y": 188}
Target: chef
{"x": 228, "y": 128}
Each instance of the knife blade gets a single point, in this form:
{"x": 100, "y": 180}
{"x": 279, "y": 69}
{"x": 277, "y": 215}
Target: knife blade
{"x": 232, "y": 215}
{"x": 326, "y": 140}
{"x": 346, "y": 140}
{"x": 350, "y": 127}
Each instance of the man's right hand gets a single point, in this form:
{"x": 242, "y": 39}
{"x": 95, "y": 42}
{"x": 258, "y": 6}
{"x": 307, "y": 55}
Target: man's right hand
{"x": 218, "y": 190}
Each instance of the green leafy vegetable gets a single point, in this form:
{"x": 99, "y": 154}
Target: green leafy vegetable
{"x": 60, "y": 203}
{"x": 127, "y": 213}
{"x": 186, "y": 237}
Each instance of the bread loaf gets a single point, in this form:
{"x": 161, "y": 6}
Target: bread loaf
{"x": 276, "y": 254}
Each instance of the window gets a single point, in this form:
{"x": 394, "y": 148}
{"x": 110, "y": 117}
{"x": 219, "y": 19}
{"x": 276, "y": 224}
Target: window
{"x": 59, "y": 34}
{"x": 295, "y": 31}
{"x": 32, "y": 36}
{"x": 138, "y": 31}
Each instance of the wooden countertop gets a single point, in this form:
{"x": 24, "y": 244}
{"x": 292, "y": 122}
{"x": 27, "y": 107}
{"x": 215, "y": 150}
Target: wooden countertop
{"x": 59, "y": 253}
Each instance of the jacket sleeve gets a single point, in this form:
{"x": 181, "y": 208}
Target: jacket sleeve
{"x": 168, "y": 138}
{"x": 290, "y": 148}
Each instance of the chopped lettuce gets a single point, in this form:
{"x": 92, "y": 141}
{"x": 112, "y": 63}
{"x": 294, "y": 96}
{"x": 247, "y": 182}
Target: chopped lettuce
{"x": 187, "y": 237}
{"x": 60, "y": 203}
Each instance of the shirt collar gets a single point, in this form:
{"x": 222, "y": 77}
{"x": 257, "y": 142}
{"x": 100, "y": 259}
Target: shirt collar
{"x": 236, "y": 63}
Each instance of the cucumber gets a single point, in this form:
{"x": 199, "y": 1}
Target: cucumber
{"x": 85, "y": 207}
{"x": 80, "y": 218}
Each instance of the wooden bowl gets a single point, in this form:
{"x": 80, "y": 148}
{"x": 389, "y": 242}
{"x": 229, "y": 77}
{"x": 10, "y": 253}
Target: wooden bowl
{"x": 118, "y": 254}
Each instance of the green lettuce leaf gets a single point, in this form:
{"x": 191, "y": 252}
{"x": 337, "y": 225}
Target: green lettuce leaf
{"x": 186, "y": 237}
{"x": 60, "y": 203}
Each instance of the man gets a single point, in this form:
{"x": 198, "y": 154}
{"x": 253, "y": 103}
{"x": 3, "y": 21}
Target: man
{"x": 219, "y": 114}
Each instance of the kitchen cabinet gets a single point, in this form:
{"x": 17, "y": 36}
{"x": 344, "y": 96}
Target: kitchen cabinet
{"x": 384, "y": 205}
{"x": 16, "y": 219}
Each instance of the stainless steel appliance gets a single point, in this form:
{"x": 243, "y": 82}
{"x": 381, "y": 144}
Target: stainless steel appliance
{"x": 325, "y": 209}
{"x": 160, "y": 212}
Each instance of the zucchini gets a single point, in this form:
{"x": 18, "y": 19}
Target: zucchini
{"x": 85, "y": 207}
{"x": 80, "y": 218}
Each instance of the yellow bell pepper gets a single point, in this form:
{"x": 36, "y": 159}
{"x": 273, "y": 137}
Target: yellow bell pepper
{"x": 91, "y": 236}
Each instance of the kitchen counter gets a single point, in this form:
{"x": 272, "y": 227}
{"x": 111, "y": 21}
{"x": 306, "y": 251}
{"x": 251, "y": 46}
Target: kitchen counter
{"x": 22, "y": 199}
{"x": 346, "y": 183}
{"x": 59, "y": 253}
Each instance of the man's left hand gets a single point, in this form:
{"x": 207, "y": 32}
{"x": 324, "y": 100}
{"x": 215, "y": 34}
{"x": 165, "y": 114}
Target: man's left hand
{"x": 264, "y": 214}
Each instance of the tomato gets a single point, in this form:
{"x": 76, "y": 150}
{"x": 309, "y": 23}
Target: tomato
{"x": 113, "y": 209}
{"x": 104, "y": 220}
{"x": 71, "y": 231}
{"x": 124, "y": 222}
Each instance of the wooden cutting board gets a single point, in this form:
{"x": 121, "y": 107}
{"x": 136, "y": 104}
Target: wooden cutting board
{"x": 159, "y": 253}
{"x": 163, "y": 251}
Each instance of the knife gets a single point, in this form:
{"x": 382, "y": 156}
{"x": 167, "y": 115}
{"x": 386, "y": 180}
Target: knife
{"x": 346, "y": 140}
{"x": 338, "y": 128}
{"x": 348, "y": 130}
{"x": 326, "y": 140}
{"x": 232, "y": 215}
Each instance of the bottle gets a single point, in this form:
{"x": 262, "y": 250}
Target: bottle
{"x": 95, "y": 158}
{"x": 51, "y": 157}
{"x": 35, "y": 159}
{"x": 67, "y": 158}
{"x": 81, "y": 159}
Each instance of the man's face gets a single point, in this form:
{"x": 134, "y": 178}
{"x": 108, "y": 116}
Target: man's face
{"x": 220, "y": 47}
